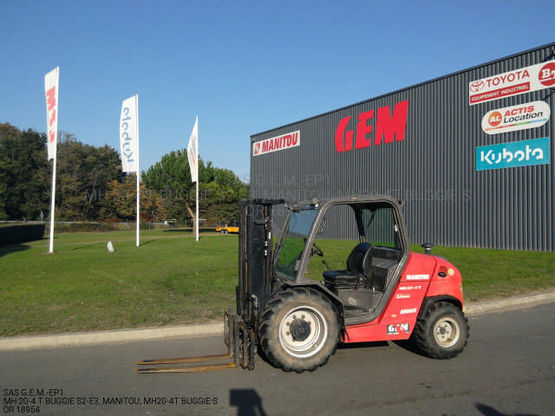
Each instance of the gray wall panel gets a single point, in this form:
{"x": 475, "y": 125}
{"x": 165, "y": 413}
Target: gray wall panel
{"x": 433, "y": 170}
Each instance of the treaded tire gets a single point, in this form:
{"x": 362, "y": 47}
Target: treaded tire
{"x": 442, "y": 332}
{"x": 317, "y": 323}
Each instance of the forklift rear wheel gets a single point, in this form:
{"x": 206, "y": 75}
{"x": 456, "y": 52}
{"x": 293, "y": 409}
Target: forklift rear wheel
{"x": 299, "y": 330}
{"x": 442, "y": 332}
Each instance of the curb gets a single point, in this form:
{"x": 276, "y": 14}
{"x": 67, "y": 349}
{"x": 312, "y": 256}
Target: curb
{"x": 35, "y": 342}
{"x": 508, "y": 304}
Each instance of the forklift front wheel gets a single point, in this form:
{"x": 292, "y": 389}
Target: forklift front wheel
{"x": 299, "y": 329}
{"x": 302, "y": 331}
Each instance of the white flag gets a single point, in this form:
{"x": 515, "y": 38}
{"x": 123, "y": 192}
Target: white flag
{"x": 129, "y": 134}
{"x": 51, "y": 92}
{"x": 192, "y": 152}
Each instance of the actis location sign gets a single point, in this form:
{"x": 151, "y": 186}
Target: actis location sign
{"x": 517, "y": 117}
{"x": 273, "y": 144}
{"x": 531, "y": 78}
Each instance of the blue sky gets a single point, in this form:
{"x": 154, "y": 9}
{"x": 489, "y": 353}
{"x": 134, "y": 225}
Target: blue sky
{"x": 242, "y": 66}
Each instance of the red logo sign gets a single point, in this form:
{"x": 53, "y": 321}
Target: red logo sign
{"x": 51, "y": 108}
{"x": 388, "y": 126}
{"x": 273, "y": 144}
{"x": 547, "y": 74}
{"x": 495, "y": 118}
{"x": 256, "y": 148}
{"x": 477, "y": 86}
{"x": 518, "y": 81}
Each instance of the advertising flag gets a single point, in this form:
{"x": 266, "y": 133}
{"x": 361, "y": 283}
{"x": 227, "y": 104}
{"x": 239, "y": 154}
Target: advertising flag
{"x": 129, "y": 144}
{"x": 129, "y": 134}
{"x": 192, "y": 152}
{"x": 51, "y": 92}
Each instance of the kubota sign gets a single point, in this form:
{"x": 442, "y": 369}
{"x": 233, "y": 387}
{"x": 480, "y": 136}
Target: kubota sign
{"x": 513, "y": 154}
{"x": 522, "y": 80}
{"x": 388, "y": 126}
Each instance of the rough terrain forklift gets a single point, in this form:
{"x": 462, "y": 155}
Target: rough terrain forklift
{"x": 294, "y": 313}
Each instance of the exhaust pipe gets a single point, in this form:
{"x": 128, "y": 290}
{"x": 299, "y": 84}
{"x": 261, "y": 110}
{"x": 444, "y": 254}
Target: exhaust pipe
{"x": 427, "y": 247}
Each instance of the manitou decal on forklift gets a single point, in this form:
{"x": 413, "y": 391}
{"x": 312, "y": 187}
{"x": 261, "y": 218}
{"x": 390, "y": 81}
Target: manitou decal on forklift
{"x": 367, "y": 287}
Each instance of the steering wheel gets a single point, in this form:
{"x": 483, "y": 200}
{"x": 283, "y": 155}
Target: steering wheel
{"x": 317, "y": 250}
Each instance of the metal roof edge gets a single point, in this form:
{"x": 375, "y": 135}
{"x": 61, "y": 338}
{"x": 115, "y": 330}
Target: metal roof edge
{"x": 552, "y": 44}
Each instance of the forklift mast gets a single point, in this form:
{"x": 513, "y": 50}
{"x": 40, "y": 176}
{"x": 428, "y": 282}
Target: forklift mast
{"x": 253, "y": 291}
{"x": 255, "y": 257}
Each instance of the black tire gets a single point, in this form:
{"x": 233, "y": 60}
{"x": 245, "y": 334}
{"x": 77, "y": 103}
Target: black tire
{"x": 442, "y": 332}
{"x": 315, "y": 334}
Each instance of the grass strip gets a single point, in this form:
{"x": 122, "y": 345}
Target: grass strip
{"x": 171, "y": 279}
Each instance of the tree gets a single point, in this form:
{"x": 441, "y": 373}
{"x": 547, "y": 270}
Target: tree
{"x": 222, "y": 195}
{"x": 219, "y": 189}
{"x": 87, "y": 173}
{"x": 23, "y": 173}
{"x": 171, "y": 178}
{"x": 121, "y": 201}
{"x": 83, "y": 174}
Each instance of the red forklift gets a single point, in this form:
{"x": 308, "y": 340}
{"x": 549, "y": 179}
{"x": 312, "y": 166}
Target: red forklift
{"x": 340, "y": 271}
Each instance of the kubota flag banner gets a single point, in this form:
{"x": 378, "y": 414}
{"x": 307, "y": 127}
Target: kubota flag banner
{"x": 51, "y": 81}
{"x": 129, "y": 134}
{"x": 192, "y": 152}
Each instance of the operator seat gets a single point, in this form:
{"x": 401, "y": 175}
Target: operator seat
{"x": 354, "y": 275}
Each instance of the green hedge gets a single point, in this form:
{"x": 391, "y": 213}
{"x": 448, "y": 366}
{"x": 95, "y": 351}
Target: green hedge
{"x": 12, "y": 234}
{"x": 78, "y": 227}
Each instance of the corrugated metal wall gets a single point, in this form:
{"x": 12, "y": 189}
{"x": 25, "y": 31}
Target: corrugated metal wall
{"x": 433, "y": 170}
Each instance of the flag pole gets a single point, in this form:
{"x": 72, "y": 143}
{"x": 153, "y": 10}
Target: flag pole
{"x": 52, "y": 207}
{"x": 197, "y": 178}
{"x": 138, "y": 169}
{"x": 197, "y": 212}
{"x": 138, "y": 209}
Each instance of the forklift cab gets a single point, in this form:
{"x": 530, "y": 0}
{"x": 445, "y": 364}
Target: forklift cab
{"x": 354, "y": 249}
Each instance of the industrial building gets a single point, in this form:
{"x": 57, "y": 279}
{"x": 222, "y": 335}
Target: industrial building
{"x": 469, "y": 154}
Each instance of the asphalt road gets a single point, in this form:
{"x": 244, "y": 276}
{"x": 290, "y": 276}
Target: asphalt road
{"x": 508, "y": 368}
